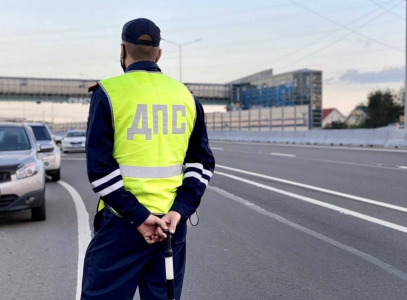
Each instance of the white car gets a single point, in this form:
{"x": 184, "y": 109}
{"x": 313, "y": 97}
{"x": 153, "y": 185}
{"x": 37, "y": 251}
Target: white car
{"x": 51, "y": 160}
{"x": 74, "y": 140}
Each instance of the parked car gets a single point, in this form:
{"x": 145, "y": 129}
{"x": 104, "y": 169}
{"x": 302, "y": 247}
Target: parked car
{"x": 51, "y": 160}
{"x": 74, "y": 140}
{"x": 58, "y": 137}
{"x": 22, "y": 173}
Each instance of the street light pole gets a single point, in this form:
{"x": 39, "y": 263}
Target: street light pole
{"x": 405, "y": 82}
{"x": 180, "y": 52}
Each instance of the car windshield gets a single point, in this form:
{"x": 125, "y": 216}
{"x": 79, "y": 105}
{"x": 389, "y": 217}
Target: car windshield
{"x": 76, "y": 134}
{"x": 41, "y": 133}
{"x": 13, "y": 139}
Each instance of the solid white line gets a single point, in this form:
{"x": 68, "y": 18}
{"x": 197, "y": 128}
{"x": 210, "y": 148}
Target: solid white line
{"x": 282, "y": 154}
{"x": 214, "y": 148}
{"x": 84, "y": 233}
{"x": 402, "y": 167}
{"x": 311, "y": 146}
{"x": 320, "y": 203}
{"x": 386, "y": 267}
{"x": 314, "y": 188}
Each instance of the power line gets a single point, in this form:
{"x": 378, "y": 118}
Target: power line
{"x": 341, "y": 38}
{"x": 313, "y": 43}
{"x": 388, "y": 10}
{"x": 345, "y": 27}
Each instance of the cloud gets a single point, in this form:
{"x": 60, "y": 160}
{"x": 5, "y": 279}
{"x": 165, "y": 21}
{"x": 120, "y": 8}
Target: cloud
{"x": 388, "y": 74}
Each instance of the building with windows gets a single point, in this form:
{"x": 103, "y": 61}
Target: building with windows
{"x": 263, "y": 89}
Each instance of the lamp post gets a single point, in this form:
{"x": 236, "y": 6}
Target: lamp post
{"x": 405, "y": 82}
{"x": 180, "y": 52}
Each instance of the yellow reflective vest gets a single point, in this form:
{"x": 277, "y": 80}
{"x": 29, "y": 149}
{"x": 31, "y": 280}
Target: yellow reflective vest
{"x": 153, "y": 118}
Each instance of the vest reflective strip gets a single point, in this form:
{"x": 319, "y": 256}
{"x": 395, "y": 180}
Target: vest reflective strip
{"x": 151, "y": 172}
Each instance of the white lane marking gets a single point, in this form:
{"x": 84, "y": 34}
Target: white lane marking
{"x": 79, "y": 158}
{"x": 402, "y": 167}
{"x": 283, "y": 154}
{"x": 314, "y": 188}
{"x": 84, "y": 233}
{"x": 214, "y": 148}
{"x": 320, "y": 203}
{"x": 386, "y": 267}
{"x": 311, "y": 146}
{"x": 330, "y": 161}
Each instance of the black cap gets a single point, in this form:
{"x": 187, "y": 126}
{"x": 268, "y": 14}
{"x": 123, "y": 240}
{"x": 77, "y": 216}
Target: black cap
{"x": 132, "y": 30}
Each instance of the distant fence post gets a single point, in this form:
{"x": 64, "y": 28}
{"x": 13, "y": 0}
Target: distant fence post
{"x": 240, "y": 119}
{"x": 230, "y": 120}
{"x": 271, "y": 118}
{"x": 282, "y": 118}
{"x": 213, "y": 121}
{"x": 250, "y": 124}
{"x": 295, "y": 118}
{"x": 221, "y": 121}
{"x": 259, "y": 123}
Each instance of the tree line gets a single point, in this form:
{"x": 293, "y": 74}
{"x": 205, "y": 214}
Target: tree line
{"x": 384, "y": 107}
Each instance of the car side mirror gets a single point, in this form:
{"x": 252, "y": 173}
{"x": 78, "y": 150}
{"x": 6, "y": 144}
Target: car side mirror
{"x": 46, "y": 148}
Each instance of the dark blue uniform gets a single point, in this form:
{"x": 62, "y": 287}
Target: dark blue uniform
{"x": 118, "y": 258}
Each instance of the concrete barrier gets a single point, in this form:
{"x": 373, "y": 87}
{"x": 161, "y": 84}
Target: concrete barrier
{"x": 396, "y": 139}
{"x": 340, "y": 137}
{"x": 380, "y": 137}
{"x": 292, "y": 137}
{"x": 314, "y": 137}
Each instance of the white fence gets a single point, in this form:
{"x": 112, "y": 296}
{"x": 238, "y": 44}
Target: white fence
{"x": 388, "y": 137}
{"x": 288, "y": 118}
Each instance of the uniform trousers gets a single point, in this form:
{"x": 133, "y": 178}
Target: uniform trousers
{"x": 118, "y": 260}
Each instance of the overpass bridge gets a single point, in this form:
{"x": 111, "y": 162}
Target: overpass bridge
{"x": 76, "y": 90}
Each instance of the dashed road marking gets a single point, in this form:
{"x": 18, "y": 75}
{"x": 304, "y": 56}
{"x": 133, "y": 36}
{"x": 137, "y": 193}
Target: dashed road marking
{"x": 283, "y": 154}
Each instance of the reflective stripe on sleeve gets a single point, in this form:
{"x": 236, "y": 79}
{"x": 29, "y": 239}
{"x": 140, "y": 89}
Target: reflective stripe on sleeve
{"x": 105, "y": 179}
{"x": 197, "y": 176}
{"x": 110, "y": 189}
{"x": 200, "y": 167}
{"x": 151, "y": 172}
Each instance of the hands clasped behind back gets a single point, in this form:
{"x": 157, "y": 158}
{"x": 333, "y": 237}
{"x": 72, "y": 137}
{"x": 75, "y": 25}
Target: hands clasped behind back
{"x": 149, "y": 229}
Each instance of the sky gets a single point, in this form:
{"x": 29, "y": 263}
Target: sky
{"x": 359, "y": 44}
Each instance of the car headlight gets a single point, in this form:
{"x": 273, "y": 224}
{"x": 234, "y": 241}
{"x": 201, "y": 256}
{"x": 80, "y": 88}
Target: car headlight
{"x": 27, "y": 170}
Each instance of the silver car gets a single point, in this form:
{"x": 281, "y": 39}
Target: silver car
{"x": 74, "y": 140}
{"x": 22, "y": 173}
{"x": 51, "y": 160}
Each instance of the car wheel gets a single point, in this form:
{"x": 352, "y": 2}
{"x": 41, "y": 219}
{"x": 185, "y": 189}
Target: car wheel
{"x": 39, "y": 213}
{"x": 56, "y": 176}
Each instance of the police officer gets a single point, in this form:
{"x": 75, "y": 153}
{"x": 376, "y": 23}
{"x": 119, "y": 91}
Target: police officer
{"x": 149, "y": 162}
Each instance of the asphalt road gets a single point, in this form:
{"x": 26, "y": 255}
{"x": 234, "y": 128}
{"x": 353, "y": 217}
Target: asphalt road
{"x": 277, "y": 222}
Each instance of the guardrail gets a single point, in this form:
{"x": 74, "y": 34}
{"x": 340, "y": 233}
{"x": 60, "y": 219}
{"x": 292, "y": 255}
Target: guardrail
{"x": 388, "y": 137}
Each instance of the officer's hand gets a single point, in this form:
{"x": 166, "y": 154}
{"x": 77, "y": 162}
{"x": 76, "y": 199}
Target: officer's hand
{"x": 148, "y": 229}
{"x": 172, "y": 219}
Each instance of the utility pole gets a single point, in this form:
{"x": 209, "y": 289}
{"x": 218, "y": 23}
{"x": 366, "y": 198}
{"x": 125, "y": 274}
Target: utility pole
{"x": 180, "y": 52}
{"x": 405, "y": 82}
